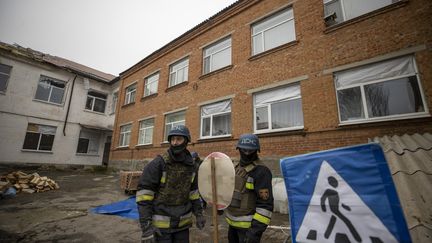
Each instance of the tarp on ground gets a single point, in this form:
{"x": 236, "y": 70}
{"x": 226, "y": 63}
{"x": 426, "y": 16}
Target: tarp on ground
{"x": 126, "y": 208}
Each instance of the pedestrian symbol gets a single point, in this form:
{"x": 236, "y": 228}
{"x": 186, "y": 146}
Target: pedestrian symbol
{"x": 343, "y": 195}
{"x": 339, "y": 215}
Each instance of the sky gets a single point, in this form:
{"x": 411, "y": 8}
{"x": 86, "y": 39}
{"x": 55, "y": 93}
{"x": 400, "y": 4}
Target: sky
{"x": 107, "y": 35}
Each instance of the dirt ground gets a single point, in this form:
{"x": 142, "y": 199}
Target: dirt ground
{"x": 63, "y": 215}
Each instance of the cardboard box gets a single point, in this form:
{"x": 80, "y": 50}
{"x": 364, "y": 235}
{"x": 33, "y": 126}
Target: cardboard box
{"x": 129, "y": 180}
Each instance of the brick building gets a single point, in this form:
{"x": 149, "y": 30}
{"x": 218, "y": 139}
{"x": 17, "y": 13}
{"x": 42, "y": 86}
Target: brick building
{"x": 303, "y": 75}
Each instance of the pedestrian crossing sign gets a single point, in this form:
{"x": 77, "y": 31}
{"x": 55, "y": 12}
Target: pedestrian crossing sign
{"x": 343, "y": 195}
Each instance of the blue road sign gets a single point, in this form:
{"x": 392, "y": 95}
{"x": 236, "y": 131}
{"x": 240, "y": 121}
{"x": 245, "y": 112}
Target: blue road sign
{"x": 343, "y": 195}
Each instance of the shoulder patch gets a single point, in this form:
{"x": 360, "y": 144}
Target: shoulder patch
{"x": 264, "y": 194}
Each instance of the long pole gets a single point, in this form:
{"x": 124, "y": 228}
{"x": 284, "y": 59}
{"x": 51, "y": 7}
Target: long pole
{"x": 214, "y": 195}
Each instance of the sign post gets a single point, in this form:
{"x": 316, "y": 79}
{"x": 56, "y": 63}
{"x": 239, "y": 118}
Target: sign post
{"x": 216, "y": 177}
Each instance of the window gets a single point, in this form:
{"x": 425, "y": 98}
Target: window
{"x": 130, "y": 94}
{"x": 379, "y": 91}
{"x": 95, "y": 101}
{"x": 342, "y": 10}
{"x": 278, "y": 109}
{"x": 88, "y": 142}
{"x": 146, "y": 131}
{"x": 125, "y": 133}
{"x": 50, "y": 90}
{"x": 5, "y": 71}
{"x": 179, "y": 72}
{"x": 151, "y": 84}
{"x": 39, "y": 137}
{"x": 217, "y": 55}
{"x": 216, "y": 119}
{"x": 114, "y": 102}
{"x": 274, "y": 31}
{"x": 173, "y": 119}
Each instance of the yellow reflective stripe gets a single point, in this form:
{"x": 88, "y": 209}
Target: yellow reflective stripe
{"x": 144, "y": 198}
{"x": 161, "y": 224}
{"x": 249, "y": 186}
{"x": 193, "y": 177}
{"x": 185, "y": 221}
{"x": 258, "y": 217}
{"x": 163, "y": 177}
{"x": 239, "y": 224}
{"x": 194, "y": 196}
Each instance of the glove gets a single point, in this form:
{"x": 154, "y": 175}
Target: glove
{"x": 200, "y": 221}
{"x": 148, "y": 233}
{"x": 250, "y": 238}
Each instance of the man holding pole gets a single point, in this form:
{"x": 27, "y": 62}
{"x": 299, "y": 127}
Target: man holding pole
{"x": 251, "y": 207}
{"x": 168, "y": 194}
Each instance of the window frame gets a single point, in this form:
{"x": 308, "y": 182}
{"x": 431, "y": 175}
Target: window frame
{"x": 84, "y": 134}
{"x": 269, "y": 110}
{"x": 175, "y": 123}
{"x": 215, "y": 52}
{"x": 94, "y": 101}
{"x": 51, "y": 80}
{"x": 211, "y": 116}
{"x": 148, "y": 82}
{"x": 143, "y": 131}
{"x": 7, "y": 77}
{"x": 40, "y": 137}
{"x": 344, "y": 18}
{"x": 172, "y": 83}
{"x": 364, "y": 106}
{"x": 122, "y": 141}
{"x": 267, "y": 19}
{"x": 130, "y": 91}
{"x": 114, "y": 102}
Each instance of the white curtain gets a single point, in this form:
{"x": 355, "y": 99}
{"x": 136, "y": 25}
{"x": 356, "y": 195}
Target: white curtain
{"x": 286, "y": 93}
{"x": 392, "y": 68}
{"x": 224, "y": 106}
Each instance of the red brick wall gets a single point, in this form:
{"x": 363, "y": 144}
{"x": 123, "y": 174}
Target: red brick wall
{"x": 315, "y": 50}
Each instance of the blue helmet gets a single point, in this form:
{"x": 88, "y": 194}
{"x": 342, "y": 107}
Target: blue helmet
{"x": 248, "y": 141}
{"x": 179, "y": 130}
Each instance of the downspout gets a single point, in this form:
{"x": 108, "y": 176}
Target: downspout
{"x": 68, "y": 108}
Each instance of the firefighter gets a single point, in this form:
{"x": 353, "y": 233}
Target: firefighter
{"x": 251, "y": 207}
{"x": 168, "y": 194}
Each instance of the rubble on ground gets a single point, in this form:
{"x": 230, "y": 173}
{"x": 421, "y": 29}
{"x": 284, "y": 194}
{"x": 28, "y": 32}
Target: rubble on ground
{"x": 28, "y": 183}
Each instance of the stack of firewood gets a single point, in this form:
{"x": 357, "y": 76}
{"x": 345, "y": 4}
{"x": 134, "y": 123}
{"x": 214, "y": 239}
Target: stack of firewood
{"x": 28, "y": 183}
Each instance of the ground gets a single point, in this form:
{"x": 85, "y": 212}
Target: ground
{"x": 63, "y": 215}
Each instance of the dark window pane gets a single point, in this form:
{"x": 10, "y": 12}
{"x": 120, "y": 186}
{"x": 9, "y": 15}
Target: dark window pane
{"x": 43, "y": 90}
{"x": 350, "y": 104}
{"x": 46, "y": 142}
{"x": 206, "y": 127}
{"x": 31, "y": 141}
{"x": 83, "y": 144}
{"x": 5, "y": 68}
{"x": 262, "y": 118}
{"x": 99, "y": 105}
{"x": 3, "y": 81}
{"x": 221, "y": 124}
{"x": 56, "y": 95}
{"x": 401, "y": 96}
{"x": 89, "y": 103}
{"x": 96, "y": 94}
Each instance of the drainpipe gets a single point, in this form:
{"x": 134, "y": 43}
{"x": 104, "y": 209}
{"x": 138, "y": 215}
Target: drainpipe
{"x": 68, "y": 108}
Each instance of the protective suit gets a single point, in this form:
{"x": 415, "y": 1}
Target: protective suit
{"x": 168, "y": 194}
{"x": 251, "y": 207}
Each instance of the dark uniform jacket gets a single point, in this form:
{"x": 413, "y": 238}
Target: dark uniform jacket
{"x": 168, "y": 193}
{"x": 252, "y": 209}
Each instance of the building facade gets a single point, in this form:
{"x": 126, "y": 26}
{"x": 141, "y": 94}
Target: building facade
{"x": 302, "y": 75}
{"x": 52, "y": 110}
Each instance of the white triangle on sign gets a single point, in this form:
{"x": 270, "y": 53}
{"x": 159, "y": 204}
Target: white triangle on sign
{"x": 351, "y": 218}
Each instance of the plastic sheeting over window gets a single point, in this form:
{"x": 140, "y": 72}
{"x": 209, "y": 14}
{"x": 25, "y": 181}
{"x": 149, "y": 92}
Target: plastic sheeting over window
{"x": 283, "y": 94}
{"x": 403, "y": 66}
{"x": 220, "y": 107}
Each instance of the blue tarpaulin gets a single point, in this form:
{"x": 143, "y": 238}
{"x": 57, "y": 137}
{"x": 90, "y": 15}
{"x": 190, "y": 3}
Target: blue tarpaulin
{"x": 126, "y": 208}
